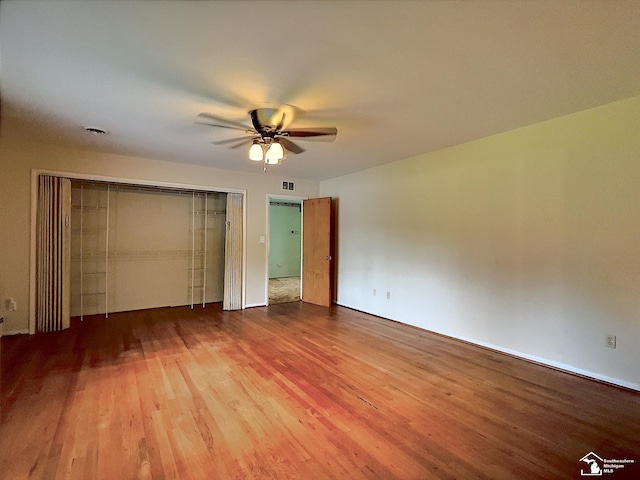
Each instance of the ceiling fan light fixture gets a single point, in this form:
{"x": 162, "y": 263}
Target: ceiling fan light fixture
{"x": 256, "y": 152}
{"x": 269, "y": 133}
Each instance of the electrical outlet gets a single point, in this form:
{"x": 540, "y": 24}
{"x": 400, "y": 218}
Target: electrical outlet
{"x": 11, "y": 304}
{"x": 610, "y": 341}
{"x": 374, "y": 292}
{"x": 388, "y": 295}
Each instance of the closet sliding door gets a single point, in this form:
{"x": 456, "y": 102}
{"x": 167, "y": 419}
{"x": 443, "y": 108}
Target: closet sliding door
{"x": 233, "y": 253}
{"x": 53, "y": 247}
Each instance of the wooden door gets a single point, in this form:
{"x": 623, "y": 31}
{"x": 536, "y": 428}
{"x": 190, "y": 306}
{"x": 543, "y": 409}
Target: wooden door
{"x": 317, "y": 258}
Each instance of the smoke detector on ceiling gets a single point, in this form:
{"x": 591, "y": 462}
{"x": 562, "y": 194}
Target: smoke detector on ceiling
{"x": 94, "y": 130}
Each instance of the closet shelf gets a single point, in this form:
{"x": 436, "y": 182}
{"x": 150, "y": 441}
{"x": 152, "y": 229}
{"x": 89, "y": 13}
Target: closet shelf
{"x": 208, "y": 212}
{"x": 88, "y": 229}
{"x": 141, "y": 254}
{"x": 202, "y": 230}
{"x": 89, "y": 207}
{"x": 150, "y": 253}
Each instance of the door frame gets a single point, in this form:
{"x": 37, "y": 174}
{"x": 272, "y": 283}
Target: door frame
{"x": 292, "y": 198}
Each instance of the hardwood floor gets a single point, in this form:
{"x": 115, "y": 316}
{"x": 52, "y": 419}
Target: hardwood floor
{"x": 294, "y": 391}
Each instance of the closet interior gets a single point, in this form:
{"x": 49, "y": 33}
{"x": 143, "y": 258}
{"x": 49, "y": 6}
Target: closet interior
{"x": 138, "y": 247}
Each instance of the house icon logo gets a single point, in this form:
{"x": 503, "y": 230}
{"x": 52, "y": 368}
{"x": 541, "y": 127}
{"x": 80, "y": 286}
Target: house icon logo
{"x": 594, "y": 465}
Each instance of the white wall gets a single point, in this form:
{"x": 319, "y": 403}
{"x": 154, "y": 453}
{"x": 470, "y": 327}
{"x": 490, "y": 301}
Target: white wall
{"x": 17, "y": 159}
{"x": 527, "y": 241}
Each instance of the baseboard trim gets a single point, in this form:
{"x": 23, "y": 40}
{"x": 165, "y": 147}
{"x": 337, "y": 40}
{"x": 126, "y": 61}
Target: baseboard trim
{"x": 14, "y": 332}
{"x": 253, "y": 305}
{"x": 563, "y": 367}
{"x": 555, "y": 365}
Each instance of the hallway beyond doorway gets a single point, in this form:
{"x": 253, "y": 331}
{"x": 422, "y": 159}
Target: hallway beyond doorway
{"x": 284, "y": 290}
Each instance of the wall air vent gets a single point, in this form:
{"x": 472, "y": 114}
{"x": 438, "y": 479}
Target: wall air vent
{"x": 288, "y": 186}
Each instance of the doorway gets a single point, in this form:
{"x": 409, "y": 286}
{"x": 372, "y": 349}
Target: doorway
{"x": 285, "y": 250}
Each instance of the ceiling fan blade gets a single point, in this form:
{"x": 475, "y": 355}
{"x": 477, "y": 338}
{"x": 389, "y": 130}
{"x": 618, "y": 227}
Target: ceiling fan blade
{"x": 229, "y": 123}
{"x": 302, "y": 133}
{"x": 255, "y": 120}
{"x": 231, "y": 140}
{"x": 290, "y": 146}
{"x": 281, "y": 121}
{"x": 282, "y": 117}
{"x": 246, "y": 141}
{"x": 222, "y": 126}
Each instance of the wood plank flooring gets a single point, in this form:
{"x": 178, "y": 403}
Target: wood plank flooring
{"x": 294, "y": 391}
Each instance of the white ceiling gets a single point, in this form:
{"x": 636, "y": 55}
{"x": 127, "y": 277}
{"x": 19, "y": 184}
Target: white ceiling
{"x": 397, "y": 78}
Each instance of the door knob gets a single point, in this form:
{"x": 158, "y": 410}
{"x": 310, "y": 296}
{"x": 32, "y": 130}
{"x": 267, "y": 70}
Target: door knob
{"x": 328, "y": 257}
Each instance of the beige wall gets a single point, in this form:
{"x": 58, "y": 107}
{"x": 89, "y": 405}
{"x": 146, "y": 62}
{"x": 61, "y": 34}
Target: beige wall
{"x": 18, "y": 158}
{"x": 527, "y": 241}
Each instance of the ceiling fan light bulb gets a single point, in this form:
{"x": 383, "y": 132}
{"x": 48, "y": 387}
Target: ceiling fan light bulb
{"x": 255, "y": 153}
{"x": 277, "y": 151}
{"x": 270, "y": 158}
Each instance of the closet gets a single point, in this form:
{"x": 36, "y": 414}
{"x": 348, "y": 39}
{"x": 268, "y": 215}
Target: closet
{"x": 137, "y": 247}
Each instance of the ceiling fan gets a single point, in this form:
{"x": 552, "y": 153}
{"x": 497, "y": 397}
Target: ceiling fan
{"x": 269, "y": 135}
